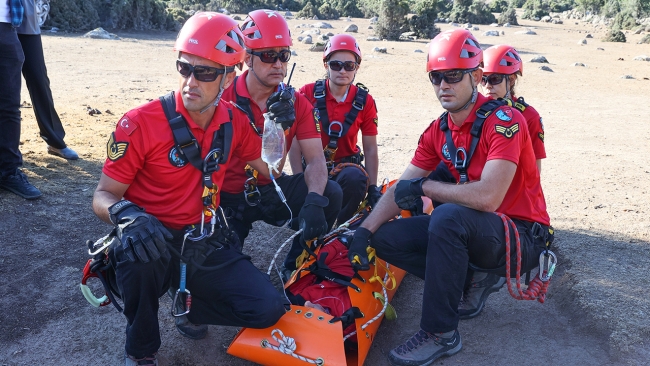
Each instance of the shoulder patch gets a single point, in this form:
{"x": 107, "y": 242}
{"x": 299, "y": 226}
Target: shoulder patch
{"x": 317, "y": 119}
{"x": 376, "y": 121}
{"x": 127, "y": 125}
{"x": 115, "y": 150}
{"x": 541, "y": 136}
{"x": 508, "y": 132}
{"x": 504, "y": 114}
{"x": 541, "y": 123}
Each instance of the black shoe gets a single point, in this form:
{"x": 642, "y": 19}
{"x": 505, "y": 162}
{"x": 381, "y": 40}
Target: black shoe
{"x": 132, "y": 361}
{"x": 183, "y": 325}
{"x": 66, "y": 152}
{"x": 19, "y": 185}
{"x": 424, "y": 348}
{"x": 473, "y": 300}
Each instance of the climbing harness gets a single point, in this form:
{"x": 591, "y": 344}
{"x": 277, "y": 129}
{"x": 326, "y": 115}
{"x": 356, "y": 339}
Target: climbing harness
{"x": 460, "y": 157}
{"x": 547, "y": 261}
{"x": 336, "y": 129}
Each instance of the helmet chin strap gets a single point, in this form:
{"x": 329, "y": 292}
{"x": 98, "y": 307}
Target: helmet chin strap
{"x": 216, "y": 100}
{"x": 471, "y": 100}
{"x": 252, "y": 71}
{"x": 508, "y": 95}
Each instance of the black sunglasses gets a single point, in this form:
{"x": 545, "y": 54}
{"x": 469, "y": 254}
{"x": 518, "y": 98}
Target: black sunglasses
{"x": 347, "y": 65}
{"x": 201, "y": 73}
{"x": 493, "y": 79}
{"x": 271, "y": 57}
{"x": 450, "y": 77}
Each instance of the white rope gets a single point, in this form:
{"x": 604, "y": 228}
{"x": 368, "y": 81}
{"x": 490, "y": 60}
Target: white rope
{"x": 287, "y": 345}
{"x": 277, "y": 252}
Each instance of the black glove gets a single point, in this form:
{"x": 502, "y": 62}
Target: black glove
{"x": 357, "y": 249}
{"x": 312, "y": 217}
{"x": 143, "y": 237}
{"x": 408, "y": 193}
{"x": 280, "y": 107}
{"x": 374, "y": 194}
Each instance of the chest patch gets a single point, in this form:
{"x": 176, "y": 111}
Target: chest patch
{"x": 504, "y": 114}
{"x": 175, "y": 158}
{"x": 445, "y": 152}
{"x": 115, "y": 149}
{"x": 508, "y": 132}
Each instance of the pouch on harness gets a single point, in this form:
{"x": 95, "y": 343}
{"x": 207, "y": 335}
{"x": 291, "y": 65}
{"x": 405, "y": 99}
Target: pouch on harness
{"x": 338, "y": 325}
{"x": 187, "y": 146}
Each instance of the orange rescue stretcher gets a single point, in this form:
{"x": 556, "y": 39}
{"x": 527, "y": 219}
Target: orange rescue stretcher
{"x": 307, "y": 335}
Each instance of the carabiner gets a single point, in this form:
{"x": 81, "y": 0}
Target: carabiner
{"x": 92, "y": 299}
{"x": 547, "y": 263}
{"x": 101, "y": 244}
{"x": 188, "y": 303}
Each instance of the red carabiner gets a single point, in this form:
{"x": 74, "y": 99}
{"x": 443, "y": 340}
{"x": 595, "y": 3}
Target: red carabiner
{"x": 94, "y": 301}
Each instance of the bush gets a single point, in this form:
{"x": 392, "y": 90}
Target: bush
{"x": 645, "y": 39}
{"x": 516, "y": 3}
{"x": 614, "y": 36}
{"x": 326, "y": 11}
{"x": 73, "y": 15}
{"x": 468, "y": 11}
{"x": 508, "y": 16}
{"x": 392, "y": 19}
{"x": 422, "y": 23}
{"x": 623, "y": 20}
{"x": 308, "y": 11}
{"x": 558, "y": 6}
{"x": 498, "y": 6}
{"x": 535, "y": 9}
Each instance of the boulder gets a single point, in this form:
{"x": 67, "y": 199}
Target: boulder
{"x": 491, "y": 33}
{"x": 539, "y": 59}
{"x": 507, "y": 25}
{"x": 317, "y": 47}
{"x": 373, "y": 39}
{"x": 546, "y": 19}
{"x": 527, "y": 31}
{"x": 374, "y": 20}
{"x": 589, "y": 36}
{"x": 627, "y": 77}
{"x": 322, "y": 25}
{"x": 642, "y": 58}
{"x": 418, "y": 51}
{"x": 307, "y": 40}
{"x": 380, "y": 49}
{"x": 580, "y": 64}
{"x": 351, "y": 28}
{"x": 545, "y": 68}
{"x": 582, "y": 41}
{"x": 100, "y": 33}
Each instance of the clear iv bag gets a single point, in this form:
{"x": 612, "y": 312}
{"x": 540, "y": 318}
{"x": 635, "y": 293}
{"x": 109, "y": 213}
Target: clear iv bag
{"x": 273, "y": 143}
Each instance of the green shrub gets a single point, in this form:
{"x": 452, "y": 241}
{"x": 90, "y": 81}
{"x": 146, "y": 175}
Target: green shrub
{"x": 623, "y": 20}
{"x": 326, "y": 11}
{"x": 535, "y": 9}
{"x": 498, "y": 6}
{"x": 422, "y": 23}
{"x": 475, "y": 12}
{"x": 508, "y": 16}
{"x": 592, "y": 6}
{"x": 558, "y": 6}
{"x": 516, "y": 3}
{"x": 74, "y": 15}
{"x": 645, "y": 39}
{"x": 308, "y": 11}
{"x": 614, "y": 36}
{"x": 392, "y": 19}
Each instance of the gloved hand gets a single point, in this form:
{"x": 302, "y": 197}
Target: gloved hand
{"x": 373, "y": 196}
{"x": 280, "y": 107}
{"x": 143, "y": 237}
{"x": 357, "y": 249}
{"x": 408, "y": 193}
{"x": 312, "y": 217}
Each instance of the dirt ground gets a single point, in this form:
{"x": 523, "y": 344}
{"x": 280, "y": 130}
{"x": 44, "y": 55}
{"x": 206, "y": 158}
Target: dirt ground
{"x": 596, "y": 180}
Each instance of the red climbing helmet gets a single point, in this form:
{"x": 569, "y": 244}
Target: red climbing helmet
{"x": 502, "y": 59}
{"x": 213, "y": 36}
{"x": 342, "y": 42}
{"x": 454, "y": 49}
{"x": 266, "y": 29}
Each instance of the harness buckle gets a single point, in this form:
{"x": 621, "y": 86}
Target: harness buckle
{"x": 358, "y": 106}
{"x": 211, "y": 161}
{"x": 338, "y": 133}
{"x": 252, "y": 194}
{"x": 461, "y": 159}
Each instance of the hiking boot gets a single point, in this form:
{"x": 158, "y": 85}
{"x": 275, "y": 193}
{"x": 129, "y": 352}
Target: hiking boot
{"x": 132, "y": 361}
{"x": 285, "y": 274}
{"x": 66, "y": 152}
{"x": 19, "y": 185}
{"x": 424, "y": 348}
{"x": 473, "y": 300}
{"x": 183, "y": 325}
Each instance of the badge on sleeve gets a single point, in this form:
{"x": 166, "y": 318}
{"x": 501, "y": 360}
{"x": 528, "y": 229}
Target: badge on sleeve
{"x": 504, "y": 114}
{"x": 317, "y": 119}
{"x": 127, "y": 125}
{"x": 508, "y": 132}
{"x": 115, "y": 150}
{"x": 541, "y": 136}
{"x": 376, "y": 120}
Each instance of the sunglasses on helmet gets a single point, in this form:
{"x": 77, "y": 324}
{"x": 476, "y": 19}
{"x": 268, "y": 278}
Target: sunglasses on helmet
{"x": 271, "y": 57}
{"x": 450, "y": 77}
{"x": 493, "y": 79}
{"x": 201, "y": 73}
{"x": 347, "y": 65}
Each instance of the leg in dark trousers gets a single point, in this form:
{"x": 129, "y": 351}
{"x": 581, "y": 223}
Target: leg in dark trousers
{"x": 11, "y": 62}
{"x": 38, "y": 84}
{"x": 354, "y": 183}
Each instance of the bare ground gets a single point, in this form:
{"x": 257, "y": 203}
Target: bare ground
{"x": 596, "y": 181}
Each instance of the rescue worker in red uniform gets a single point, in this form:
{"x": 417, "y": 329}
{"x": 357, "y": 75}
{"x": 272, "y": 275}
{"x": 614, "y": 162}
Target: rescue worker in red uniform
{"x": 345, "y": 109}
{"x": 501, "y": 65}
{"x": 313, "y": 199}
{"x": 499, "y": 175}
{"x": 161, "y": 203}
